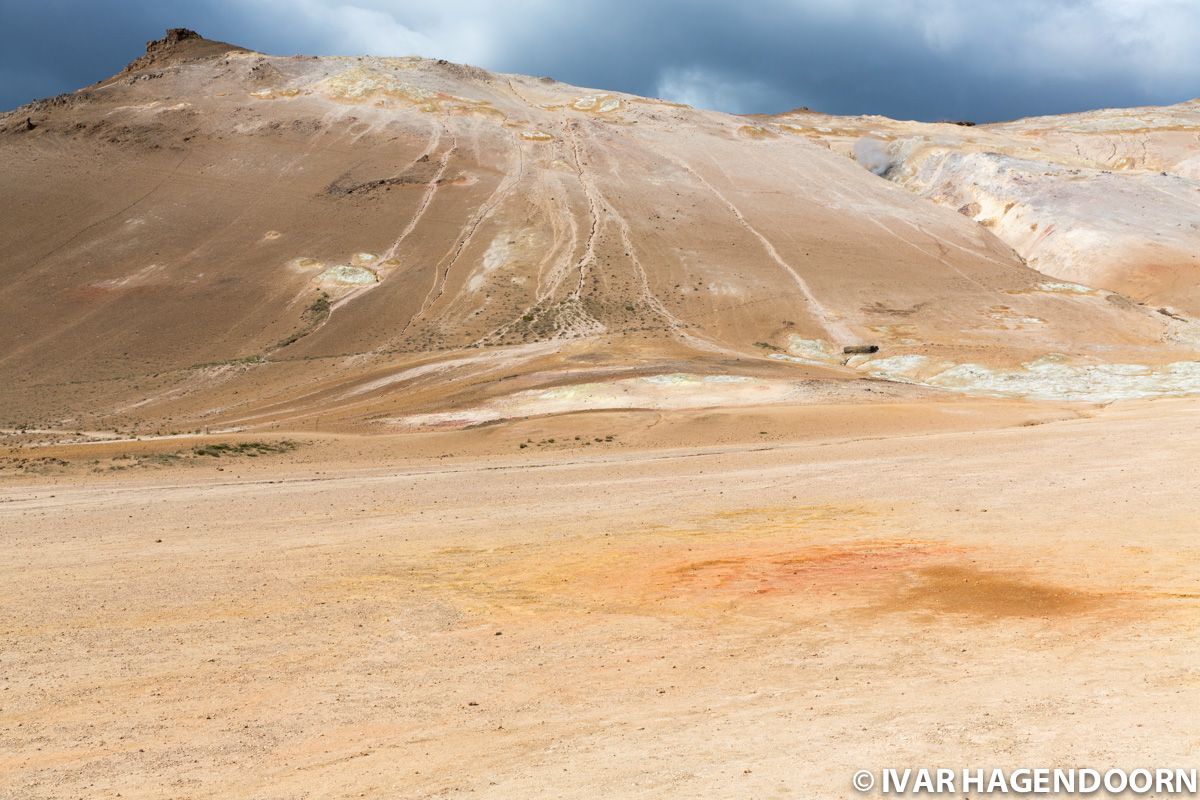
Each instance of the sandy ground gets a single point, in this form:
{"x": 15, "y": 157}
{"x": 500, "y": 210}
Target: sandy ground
{"x": 450, "y": 615}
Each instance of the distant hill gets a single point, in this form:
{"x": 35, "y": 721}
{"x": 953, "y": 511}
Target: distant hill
{"x": 217, "y": 237}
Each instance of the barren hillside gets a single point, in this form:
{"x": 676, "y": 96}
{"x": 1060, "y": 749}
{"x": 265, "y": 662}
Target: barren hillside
{"x": 221, "y": 238}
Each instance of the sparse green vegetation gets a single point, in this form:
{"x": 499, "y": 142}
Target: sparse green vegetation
{"x": 250, "y": 449}
{"x": 580, "y": 439}
{"x": 125, "y": 461}
{"x": 319, "y": 308}
{"x": 312, "y": 317}
{"x": 31, "y": 466}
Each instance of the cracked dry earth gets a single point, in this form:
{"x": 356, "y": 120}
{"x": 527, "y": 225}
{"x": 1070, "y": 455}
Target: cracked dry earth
{"x": 980, "y": 584}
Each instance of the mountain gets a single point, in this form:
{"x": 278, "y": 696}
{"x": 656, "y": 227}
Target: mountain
{"x": 1107, "y": 198}
{"x": 216, "y": 238}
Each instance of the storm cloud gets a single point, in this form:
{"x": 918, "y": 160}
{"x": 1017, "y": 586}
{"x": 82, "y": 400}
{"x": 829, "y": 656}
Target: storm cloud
{"x": 914, "y": 59}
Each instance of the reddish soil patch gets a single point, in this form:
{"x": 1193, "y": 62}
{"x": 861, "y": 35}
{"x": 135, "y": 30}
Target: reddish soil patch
{"x": 820, "y": 568}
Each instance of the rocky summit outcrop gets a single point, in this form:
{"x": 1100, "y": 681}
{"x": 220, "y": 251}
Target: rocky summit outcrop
{"x": 176, "y": 46}
{"x": 222, "y": 237}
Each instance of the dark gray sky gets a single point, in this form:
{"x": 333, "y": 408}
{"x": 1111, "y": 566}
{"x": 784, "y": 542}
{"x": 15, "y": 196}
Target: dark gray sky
{"x": 914, "y": 59}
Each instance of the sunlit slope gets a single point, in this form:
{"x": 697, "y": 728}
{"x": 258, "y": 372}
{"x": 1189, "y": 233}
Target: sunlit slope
{"x": 1107, "y": 198}
{"x": 222, "y": 237}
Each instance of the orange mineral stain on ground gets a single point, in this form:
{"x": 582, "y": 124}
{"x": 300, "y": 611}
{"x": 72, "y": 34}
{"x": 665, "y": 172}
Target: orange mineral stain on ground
{"x": 749, "y": 562}
{"x": 758, "y": 576}
{"x": 750, "y": 615}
